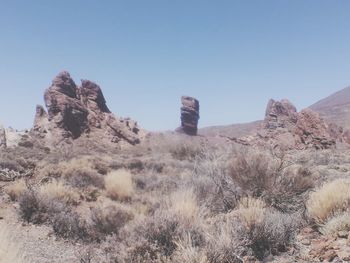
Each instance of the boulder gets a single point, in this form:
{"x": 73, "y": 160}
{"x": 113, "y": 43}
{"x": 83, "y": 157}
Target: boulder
{"x": 189, "y": 115}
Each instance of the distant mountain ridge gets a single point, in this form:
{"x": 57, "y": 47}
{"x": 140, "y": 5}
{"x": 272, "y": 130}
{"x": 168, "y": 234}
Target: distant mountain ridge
{"x": 335, "y": 108}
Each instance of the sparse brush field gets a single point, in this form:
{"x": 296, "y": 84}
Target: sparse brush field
{"x": 174, "y": 199}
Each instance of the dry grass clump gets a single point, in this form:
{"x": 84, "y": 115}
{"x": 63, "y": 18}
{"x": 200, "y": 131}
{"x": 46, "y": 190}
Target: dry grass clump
{"x": 9, "y": 250}
{"x": 251, "y": 211}
{"x": 57, "y": 190}
{"x": 328, "y": 200}
{"x": 224, "y": 240}
{"x": 187, "y": 252}
{"x": 79, "y": 172}
{"x": 15, "y": 189}
{"x": 119, "y": 185}
{"x": 340, "y": 222}
{"x": 183, "y": 202}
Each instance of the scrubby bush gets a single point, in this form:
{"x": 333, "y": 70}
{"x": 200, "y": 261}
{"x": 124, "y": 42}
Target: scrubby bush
{"x": 84, "y": 178}
{"x": 38, "y": 207}
{"x": 68, "y": 224}
{"x": 273, "y": 234}
{"x": 328, "y": 200}
{"x": 28, "y": 205}
{"x": 212, "y": 185}
{"x": 119, "y": 185}
{"x": 269, "y": 176}
{"x": 108, "y": 220}
{"x": 185, "y": 151}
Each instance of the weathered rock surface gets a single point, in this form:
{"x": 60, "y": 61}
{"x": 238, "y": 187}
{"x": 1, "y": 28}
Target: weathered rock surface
{"x": 189, "y": 115}
{"x": 284, "y": 126}
{"x": 75, "y": 111}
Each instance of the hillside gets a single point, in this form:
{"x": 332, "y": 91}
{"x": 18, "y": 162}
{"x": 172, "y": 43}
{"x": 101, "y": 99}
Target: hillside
{"x": 335, "y": 108}
{"x": 233, "y": 130}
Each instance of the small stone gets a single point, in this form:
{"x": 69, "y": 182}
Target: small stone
{"x": 328, "y": 256}
{"x": 306, "y": 242}
{"x": 343, "y": 234}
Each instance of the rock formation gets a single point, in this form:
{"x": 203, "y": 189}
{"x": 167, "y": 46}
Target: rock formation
{"x": 284, "y": 126}
{"x": 3, "y": 142}
{"x": 189, "y": 115}
{"x": 75, "y": 111}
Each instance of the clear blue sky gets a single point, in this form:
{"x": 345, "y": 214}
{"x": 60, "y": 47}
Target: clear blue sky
{"x": 232, "y": 55}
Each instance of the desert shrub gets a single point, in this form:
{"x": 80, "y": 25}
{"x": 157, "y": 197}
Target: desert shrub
{"x": 155, "y": 238}
{"x": 185, "y": 151}
{"x": 57, "y": 190}
{"x": 273, "y": 234}
{"x": 165, "y": 228}
{"x": 328, "y": 200}
{"x": 253, "y": 172}
{"x": 79, "y": 172}
{"x": 109, "y": 219}
{"x": 37, "y": 208}
{"x": 271, "y": 177}
{"x": 15, "y": 189}
{"x": 119, "y": 184}
{"x": 264, "y": 230}
{"x": 339, "y": 222}
{"x": 252, "y": 229}
{"x": 9, "y": 249}
{"x": 28, "y": 205}
{"x": 212, "y": 186}
{"x": 68, "y": 224}
{"x": 85, "y": 177}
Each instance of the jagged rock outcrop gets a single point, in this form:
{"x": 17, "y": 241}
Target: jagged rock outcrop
{"x": 75, "y": 111}
{"x": 280, "y": 114}
{"x": 189, "y": 115}
{"x": 284, "y": 126}
{"x": 3, "y": 142}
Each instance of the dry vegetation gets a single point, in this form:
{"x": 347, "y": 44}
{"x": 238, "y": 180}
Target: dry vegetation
{"x": 182, "y": 200}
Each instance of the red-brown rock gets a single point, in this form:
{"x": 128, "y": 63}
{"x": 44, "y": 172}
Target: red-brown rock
{"x": 284, "y": 127}
{"x": 74, "y": 111}
{"x": 189, "y": 115}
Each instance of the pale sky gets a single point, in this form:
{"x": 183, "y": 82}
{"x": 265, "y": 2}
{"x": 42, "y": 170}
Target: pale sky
{"x": 231, "y": 55}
